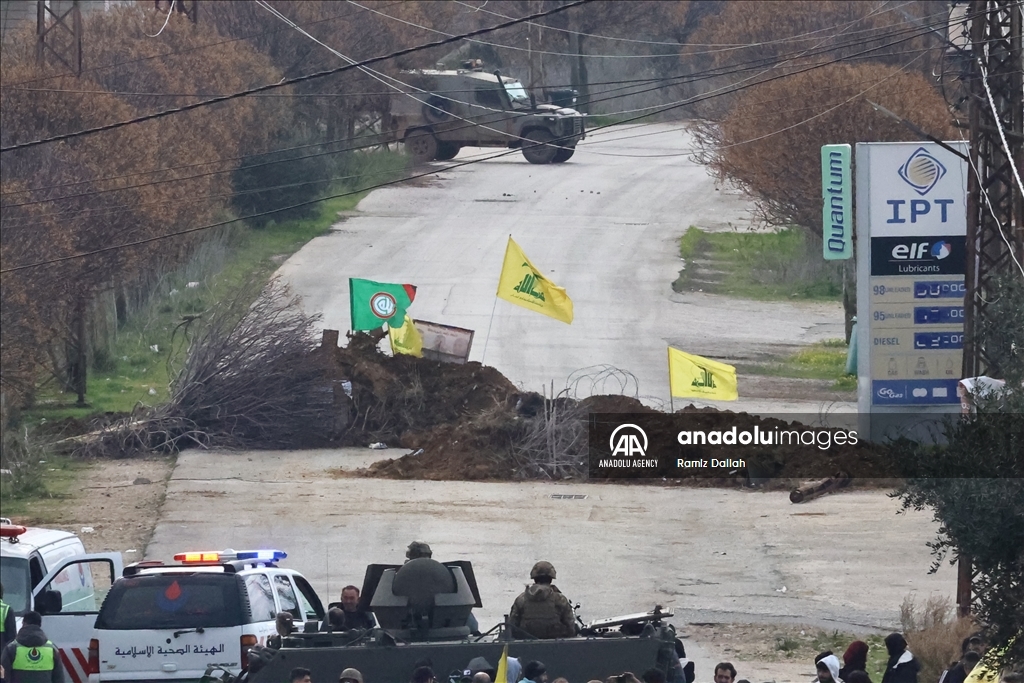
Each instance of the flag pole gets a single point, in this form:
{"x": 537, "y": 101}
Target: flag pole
{"x": 671, "y": 399}
{"x": 490, "y": 322}
{"x": 487, "y": 337}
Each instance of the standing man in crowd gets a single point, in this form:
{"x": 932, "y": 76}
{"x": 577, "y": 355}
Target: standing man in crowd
{"x": 902, "y": 666}
{"x": 541, "y": 610}
{"x": 725, "y": 673}
{"x": 31, "y": 657}
{"x": 828, "y": 669}
{"x": 8, "y": 629}
{"x": 535, "y": 672}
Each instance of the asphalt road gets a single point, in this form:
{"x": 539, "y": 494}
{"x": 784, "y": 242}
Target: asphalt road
{"x": 845, "y": 561}
{"x": 603, "y": 225}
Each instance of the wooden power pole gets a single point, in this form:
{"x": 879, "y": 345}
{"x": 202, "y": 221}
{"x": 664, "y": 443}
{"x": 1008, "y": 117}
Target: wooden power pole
{"x": 995, "y": 197}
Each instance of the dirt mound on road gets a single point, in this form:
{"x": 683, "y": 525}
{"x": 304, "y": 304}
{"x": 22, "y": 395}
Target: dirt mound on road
{"x": 394, "y": 395}
{"x": 469, "y": 422}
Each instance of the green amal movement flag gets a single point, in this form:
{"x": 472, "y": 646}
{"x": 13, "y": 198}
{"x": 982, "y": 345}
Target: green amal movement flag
{"x": 376, "y": 303}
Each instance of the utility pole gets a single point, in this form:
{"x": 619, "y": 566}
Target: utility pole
{"x": 995, "y": 201}
{"x": 59, "y": 35}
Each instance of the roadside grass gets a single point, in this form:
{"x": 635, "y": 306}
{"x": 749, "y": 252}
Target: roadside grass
{"x": 140, "y": 364}
{"x": 138, "y": 368}
{"x": 792, "y": 643}
{"x": 780, "y": 265}
{"x": 823, "y": 360}
{"x": 39, "y": 485}
{"x": 599, "y": 120}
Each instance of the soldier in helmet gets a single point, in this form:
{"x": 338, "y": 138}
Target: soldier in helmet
{"x": 541, "y": 610}
{"x": 420, "y": 550}
{"x": 416, "y": 550}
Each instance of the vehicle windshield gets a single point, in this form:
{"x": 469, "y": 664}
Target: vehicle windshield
{"x": 15, "y": 578}
{"x": 516, "y": 91}
{"x": 172, "y": 601}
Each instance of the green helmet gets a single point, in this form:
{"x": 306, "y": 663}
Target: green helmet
{"x": 418, "y": 549}
{"x": 542, "y": 568}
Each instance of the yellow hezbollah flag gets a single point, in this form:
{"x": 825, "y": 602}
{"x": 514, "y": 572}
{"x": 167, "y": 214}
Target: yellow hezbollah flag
{"x": 987, "y": 670}
{"x": 522, "y": 284}
{"x": 698, "y": 377}
{"x": 982, "y": 673}
{"x": 501, "y": 674}
{"x": 406, "y": 339}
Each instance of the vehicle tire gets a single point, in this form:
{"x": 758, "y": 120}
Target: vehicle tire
{"x": 447, "y": 150}
{"x": 537, "y": 147}
{"x": 563, "y": 154}
{"x": 421, "y": 145}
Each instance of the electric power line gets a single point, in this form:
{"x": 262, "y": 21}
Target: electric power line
{"x": 693, "y": 77}
{"x": 290, "y": 81}
{"x": 724, "y": 46}
{"x": 109, "y": 210}
{"x": 401, "y": 180}
{"x": 121, "y": 208}
{"x": 371, "y": 144}
{"x": 172, "y": 53}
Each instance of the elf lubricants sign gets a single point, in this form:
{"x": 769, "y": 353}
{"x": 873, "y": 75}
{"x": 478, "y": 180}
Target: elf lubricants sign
{"x": 912, "y": 222}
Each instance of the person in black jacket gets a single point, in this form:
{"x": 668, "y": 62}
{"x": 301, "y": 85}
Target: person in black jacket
{"x": 854, "y": 659}
{"x": 31, "y": 657}
{"x": 902, "y": 666}
{"x": 957, "y": 671}
{"x": 8, "y": 629}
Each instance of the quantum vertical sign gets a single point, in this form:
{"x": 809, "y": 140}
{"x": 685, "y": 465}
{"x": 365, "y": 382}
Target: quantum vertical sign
{"x": 837, "y": 202}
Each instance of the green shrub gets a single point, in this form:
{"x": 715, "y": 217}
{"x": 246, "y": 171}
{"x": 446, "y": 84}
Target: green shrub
{"x": 264, "y": 182}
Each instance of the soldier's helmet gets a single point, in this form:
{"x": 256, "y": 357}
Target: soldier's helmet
{"x": 417, "y": 549}
{"x": 284, "y": 623}
{"x": 543, "y": 568}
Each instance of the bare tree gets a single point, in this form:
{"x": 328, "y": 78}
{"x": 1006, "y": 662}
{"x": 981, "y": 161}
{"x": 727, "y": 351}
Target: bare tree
{"x": 770, "y": 141}
{"x": 249, "y": 380}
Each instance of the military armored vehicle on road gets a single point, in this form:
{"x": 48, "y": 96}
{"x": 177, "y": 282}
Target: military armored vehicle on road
{"x": 423, "y": 610}
{"x": 443, "y": 111}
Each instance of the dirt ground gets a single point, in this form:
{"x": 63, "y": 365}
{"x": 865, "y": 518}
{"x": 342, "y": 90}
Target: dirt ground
{"x": 113, "y": 507}
{"x": 121, "y": 501}
{"x": 763, "y": 652}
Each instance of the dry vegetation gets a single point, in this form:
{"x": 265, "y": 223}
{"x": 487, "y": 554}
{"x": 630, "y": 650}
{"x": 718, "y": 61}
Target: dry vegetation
{"x": 770, "y": 141}
{"x": 934, "y": 633}
{"x": 152, "y": 179}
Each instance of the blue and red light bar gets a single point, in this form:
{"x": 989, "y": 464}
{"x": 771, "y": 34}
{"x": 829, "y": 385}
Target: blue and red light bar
{"x": 218, "y": 556}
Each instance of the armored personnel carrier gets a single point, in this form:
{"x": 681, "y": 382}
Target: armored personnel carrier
{"x": 442, "y": 111}
{"x": 423, "y": 609}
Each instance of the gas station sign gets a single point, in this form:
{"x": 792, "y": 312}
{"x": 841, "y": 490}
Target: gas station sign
{"x": 912, "y": 227}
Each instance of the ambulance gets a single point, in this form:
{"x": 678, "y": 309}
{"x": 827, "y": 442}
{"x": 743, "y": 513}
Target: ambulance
{"x": 173, "y": 621}
{"x": 48, "y": 571}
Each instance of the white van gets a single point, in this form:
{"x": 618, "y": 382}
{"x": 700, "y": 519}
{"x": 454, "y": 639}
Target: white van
{"x": 48, "y": 571}
{"x": 169, "y": 622}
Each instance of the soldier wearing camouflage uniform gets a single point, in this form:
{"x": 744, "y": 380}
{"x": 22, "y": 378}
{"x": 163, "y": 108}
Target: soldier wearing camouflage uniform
{"x": 541, "y": 610}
